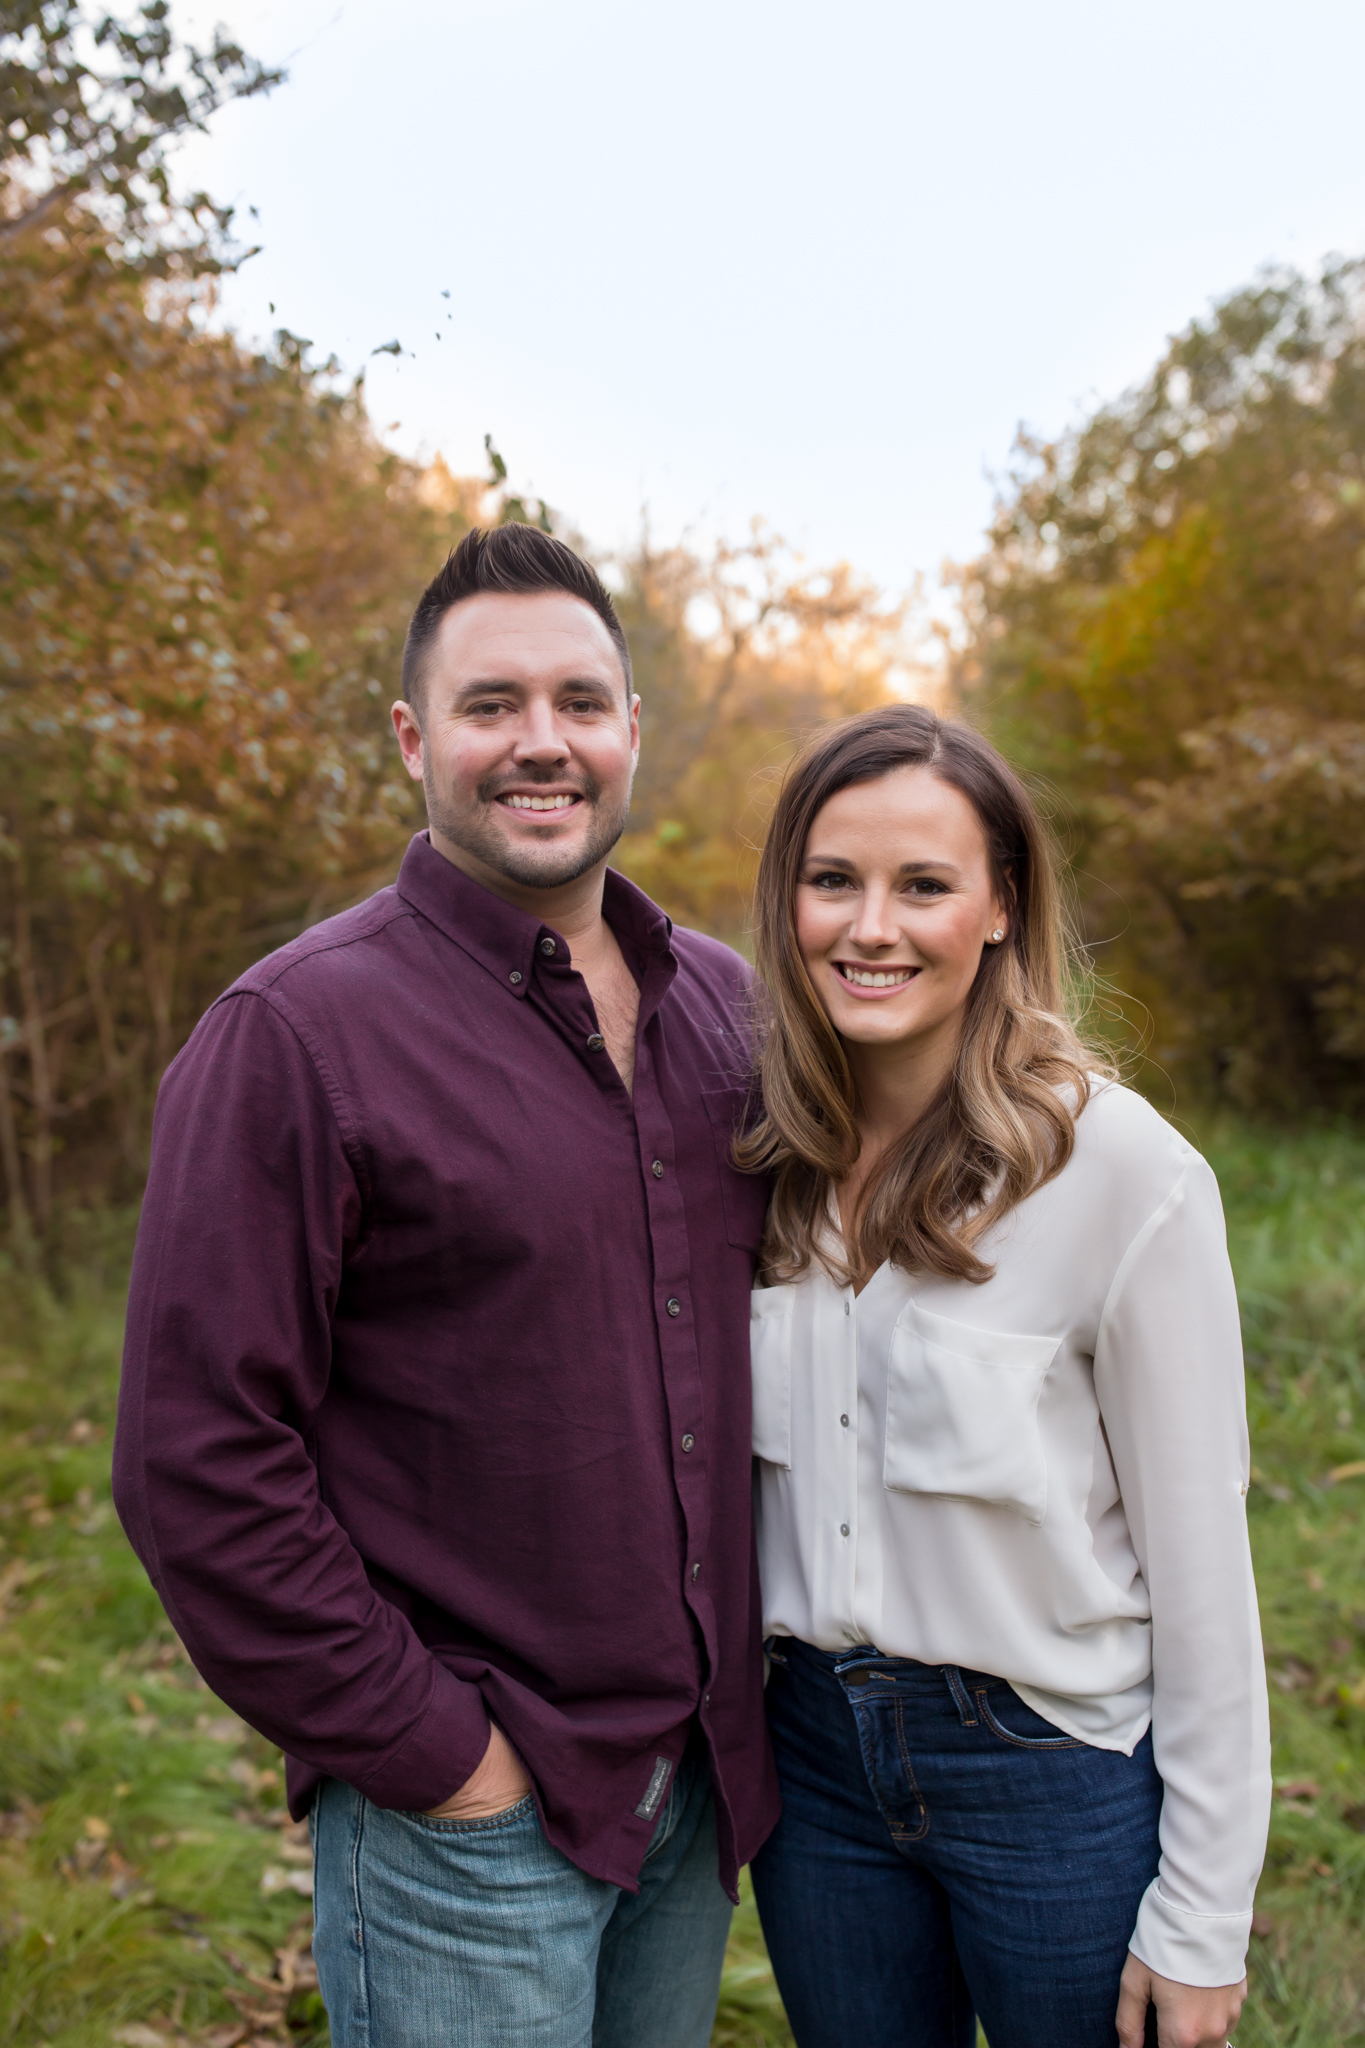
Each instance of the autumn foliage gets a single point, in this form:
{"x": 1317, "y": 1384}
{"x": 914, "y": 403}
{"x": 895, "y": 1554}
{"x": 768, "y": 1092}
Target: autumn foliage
{"x": 1169, "y": 628}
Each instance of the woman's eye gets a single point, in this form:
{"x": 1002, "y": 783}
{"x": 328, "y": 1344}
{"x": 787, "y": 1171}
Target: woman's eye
{"x": 924, "y": 885}
{"x": 829, "y": 882}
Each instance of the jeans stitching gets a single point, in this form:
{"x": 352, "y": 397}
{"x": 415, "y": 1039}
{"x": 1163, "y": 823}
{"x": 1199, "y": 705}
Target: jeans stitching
{"x": 904, "y": 1833}
{"x": 1023, "y": 1741}
{"x": 959, "y": 1693}
{"x": 362, "y": 1972}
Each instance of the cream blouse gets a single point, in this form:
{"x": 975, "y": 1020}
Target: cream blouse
{"x": 1045, "y": 1477}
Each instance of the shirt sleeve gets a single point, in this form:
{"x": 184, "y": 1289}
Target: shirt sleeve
{"x": 1169, "y": 1376}
{"x": 252, "y": 1204}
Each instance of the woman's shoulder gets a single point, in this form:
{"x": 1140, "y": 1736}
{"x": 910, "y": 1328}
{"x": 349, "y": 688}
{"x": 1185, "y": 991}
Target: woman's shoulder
{"x": 1131, "y": 1145}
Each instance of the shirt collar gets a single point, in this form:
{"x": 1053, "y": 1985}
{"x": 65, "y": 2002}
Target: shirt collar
{"x": 504, "y": 939}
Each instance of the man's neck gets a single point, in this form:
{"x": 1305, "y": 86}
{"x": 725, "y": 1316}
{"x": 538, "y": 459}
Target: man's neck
{"x": 574, "y": 909}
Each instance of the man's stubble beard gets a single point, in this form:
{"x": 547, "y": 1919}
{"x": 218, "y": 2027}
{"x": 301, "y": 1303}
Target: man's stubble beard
{"x": 475, "y": 832}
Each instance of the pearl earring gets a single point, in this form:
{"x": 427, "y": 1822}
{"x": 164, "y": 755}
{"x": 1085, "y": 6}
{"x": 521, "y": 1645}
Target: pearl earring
{"x": 997, "y": 937}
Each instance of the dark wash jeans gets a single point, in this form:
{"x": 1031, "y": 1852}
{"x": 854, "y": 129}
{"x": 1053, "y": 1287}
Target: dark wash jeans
{"x": 945, "y": 1853}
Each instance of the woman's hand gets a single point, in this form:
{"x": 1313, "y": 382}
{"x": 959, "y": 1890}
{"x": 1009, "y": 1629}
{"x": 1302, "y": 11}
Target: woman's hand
{"x": 1187, "y": 2015}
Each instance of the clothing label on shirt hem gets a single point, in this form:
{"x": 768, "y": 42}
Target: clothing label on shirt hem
{"x": 649, "y": 1805}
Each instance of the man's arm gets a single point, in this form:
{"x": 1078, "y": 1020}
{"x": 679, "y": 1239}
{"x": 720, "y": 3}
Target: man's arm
{"x": 251, "y": 1203}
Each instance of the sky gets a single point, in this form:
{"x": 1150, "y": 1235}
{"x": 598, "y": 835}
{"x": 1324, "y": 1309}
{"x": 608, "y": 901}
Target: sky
{"x": 730, "y": 258}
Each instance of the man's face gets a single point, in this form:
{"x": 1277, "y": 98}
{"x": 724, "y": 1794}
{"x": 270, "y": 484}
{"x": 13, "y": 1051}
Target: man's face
{"x": 527, "y": 743}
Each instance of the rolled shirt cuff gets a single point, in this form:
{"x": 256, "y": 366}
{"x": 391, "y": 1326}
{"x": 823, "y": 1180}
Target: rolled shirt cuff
{"x": 442, "y": 1752}
{"x": 1190, "y": 1948}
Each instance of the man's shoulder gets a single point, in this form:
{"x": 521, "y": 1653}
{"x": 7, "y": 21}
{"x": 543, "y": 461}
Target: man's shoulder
{"x": 709, "y": 963}
{"x": 328, "y": 951}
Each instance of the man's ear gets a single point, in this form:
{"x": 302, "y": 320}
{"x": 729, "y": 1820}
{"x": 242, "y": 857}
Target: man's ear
{"x": 409, "y": 736}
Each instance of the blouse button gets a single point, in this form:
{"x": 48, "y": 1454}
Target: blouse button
{"x": 843, "y": 1528}
{"x": 843, "y": 1422}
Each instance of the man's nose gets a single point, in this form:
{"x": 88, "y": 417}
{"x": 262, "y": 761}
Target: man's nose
{"x": 540, "y": 737}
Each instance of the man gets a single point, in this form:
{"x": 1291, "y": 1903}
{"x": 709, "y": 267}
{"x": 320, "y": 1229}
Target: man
{"x": 434, "y": 1432}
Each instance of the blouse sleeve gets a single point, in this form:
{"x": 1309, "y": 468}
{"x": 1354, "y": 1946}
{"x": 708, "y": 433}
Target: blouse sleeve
{"x": 1168, "y": 1374}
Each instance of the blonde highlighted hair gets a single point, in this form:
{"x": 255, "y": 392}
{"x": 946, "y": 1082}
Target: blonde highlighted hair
{"x": 1005, "y": 1120}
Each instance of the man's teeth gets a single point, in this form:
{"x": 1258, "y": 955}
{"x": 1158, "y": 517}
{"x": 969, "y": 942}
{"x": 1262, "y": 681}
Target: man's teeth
{"x": 867, "y": 977}
{"x": 539, "y": 803}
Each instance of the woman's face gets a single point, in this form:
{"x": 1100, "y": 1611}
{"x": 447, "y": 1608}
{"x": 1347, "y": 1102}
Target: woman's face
{"x": 894, "y": 905}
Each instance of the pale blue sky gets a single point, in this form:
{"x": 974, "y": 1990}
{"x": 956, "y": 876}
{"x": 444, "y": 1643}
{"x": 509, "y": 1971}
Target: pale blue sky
{"x": 732, "y": 257}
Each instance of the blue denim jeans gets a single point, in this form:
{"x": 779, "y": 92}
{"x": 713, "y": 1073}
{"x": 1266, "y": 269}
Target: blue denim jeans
{"x": 479, "y": 1934}
{"x": 945, "y": 1853}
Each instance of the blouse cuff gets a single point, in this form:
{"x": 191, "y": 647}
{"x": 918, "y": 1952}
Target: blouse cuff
{"x": 1190, "y": 1948}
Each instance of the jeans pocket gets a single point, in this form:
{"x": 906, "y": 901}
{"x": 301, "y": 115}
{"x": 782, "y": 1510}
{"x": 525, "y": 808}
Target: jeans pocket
{"x": 1017, "y": 1710}
{"x": 435, "y": 1824}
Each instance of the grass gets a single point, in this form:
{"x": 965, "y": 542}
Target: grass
{"x": 151, "y": 1891}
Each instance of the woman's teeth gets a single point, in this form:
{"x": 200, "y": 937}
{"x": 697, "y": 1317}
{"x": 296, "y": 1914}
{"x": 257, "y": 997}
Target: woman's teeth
{"x": 539, "y": 803}
{"x": 879, "y": 977}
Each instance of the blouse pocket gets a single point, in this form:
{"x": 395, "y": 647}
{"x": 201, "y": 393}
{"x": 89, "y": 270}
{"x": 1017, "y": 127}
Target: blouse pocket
{"x": 770, "y": 1351}
{"x": 962, "y": 1413}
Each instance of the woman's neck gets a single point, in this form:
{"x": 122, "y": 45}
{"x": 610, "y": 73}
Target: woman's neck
{"x": 896, "y": 1084}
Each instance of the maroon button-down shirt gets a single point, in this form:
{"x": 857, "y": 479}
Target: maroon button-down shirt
{"x": 436, "y": 1390}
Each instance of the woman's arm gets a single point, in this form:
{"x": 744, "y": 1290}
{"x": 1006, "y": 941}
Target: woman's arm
{"x": 1168, "y": 1373}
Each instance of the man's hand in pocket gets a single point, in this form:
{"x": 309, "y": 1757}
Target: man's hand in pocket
{"x": 498, "y": 1783}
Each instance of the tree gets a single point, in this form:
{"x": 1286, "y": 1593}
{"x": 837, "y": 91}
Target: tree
{"x": 90, "y": 105}
{"x": 1169, "y": 626}
{"x": 736, "y": 658}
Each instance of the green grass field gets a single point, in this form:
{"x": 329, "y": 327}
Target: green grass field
{"x": 151, "y": 1893}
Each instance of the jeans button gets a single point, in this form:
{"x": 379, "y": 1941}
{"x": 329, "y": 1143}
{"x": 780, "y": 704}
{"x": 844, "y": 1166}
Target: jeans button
{"x": 857, "y": 1677}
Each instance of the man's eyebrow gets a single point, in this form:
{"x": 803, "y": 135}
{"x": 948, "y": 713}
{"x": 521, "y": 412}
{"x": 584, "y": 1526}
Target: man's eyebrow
{"x": 481, "y": 685}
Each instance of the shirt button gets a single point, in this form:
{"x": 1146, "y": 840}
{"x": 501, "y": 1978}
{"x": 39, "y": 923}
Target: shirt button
{"x": 596, "y": 1043}
{"x": 843, "y": 1422}
{"x": 843, "y": 1528}
{"x": 657, "y": 1169}
{"x": 706, "y": 1699}
{"x": 845, "y": 1308}
{"x": 673, "y": 1305}
{"x": 688, "y": 1441}
{"x": 696, "y": 1573}
{"x": 548, "y": 946}
{"x": 514, "y": 977}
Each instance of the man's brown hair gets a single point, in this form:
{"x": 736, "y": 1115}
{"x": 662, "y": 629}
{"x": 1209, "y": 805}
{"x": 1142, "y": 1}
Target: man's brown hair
{"x": 519, "y": 561}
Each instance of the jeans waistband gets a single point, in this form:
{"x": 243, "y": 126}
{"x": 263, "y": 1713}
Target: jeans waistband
{"x": 906, "y": 1671}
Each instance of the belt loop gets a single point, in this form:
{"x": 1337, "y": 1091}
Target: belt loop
{"x": 959, "y": 1693}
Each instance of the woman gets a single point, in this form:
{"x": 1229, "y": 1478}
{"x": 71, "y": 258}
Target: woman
{"x": 1017, "y": 1696}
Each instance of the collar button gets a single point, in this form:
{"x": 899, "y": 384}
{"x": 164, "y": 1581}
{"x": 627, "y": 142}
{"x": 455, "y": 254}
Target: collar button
{"x": 514, "y": 977}
{"x": 548, "y": 946}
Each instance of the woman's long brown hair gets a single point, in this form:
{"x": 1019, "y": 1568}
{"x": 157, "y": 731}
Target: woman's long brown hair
{"x": 1005, "y": 1120}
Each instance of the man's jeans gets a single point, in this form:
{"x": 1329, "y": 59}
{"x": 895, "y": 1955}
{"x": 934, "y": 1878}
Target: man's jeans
{"x": 478, "y": 1934}
{"x": 944, "y": 1851}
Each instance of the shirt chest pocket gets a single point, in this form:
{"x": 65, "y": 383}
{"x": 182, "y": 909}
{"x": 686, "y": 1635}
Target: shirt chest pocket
{"x": 770, "y": 1351}
{"x": 962, "y": 1413}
